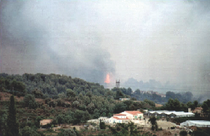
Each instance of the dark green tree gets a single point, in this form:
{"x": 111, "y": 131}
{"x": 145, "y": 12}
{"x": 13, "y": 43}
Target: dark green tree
{"x": 12, "y": 125}
{"x": 119, "y": 107}
{"x": 29, "y": 101}
{"x": 3, "y": 121}
{"x": 27, "y": 131}
{"x": 18, "y": 87}
{"x": 70, "y": 93}
{"x": 183, "y": 133}
{"x": 102, "y": 125}
{"x": 153, "y": 122}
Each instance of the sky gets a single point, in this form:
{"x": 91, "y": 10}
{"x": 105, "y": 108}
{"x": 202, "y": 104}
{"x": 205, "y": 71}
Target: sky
{"x": 144, "y": 40}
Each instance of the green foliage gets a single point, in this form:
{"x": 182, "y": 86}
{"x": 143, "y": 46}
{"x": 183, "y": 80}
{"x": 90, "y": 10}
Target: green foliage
{"x": 28, "y": 131}
{"x": 81, "y": 116}
{"x": 153, "y": 122}
{"x": 119, "y": 107}
{"x": 183, "y": 133}
{"x": 102, "y": 125}
{"x": 37, "y": 93}
{"x": 151, "y": 103}
{"x": 29, "y": 101}
{"x": 3, "y": 121}
{"x": 125, "y": 129}
{"x": 68, "y": 132}
{"x": 206, "y": 107}
{"x": 175, "y": 105}
{"x": 119, "y": 94}
{"x": 18, "y": 87}
{"x": 200, "y": 133}
{"x": 37, "y": 121}
{"x": 70, "y": 93}
{"x": 12, "y": 124}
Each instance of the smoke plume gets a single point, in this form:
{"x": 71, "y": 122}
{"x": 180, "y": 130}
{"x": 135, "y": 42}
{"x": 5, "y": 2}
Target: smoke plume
{"x": 51, "y": 37}
{"x": 156, "y": 42}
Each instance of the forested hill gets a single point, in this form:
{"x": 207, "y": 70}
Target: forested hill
{"x": 58, "y": 86}
{"x": 86, "y": 100}
{"x": 51, "y": 85}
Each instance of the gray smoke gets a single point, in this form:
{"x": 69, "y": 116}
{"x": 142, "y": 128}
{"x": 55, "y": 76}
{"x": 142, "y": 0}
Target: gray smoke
{"x": 166, "y": 41}
{"x": 51, "y": 37}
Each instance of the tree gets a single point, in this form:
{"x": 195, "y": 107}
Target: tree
{"x": 60, "y": 119}
{"x": 102, "y": 125}
{"x": 27, "y": 131}
{"x": 18, "y": 87}
{"x": 29, "y": 101}
{"x": 12, "y": 125}
{"x": 119, "y": 107}
{"x": 37, "y": 93}
{"x": 68, "y": 132}
{"x": 206, "y": 107}
{"x": 183, "y": 133}
{"x": 153, "y": 122}
{"x": 3, "y": 121}
{"x": 119, "y": 94}
{"x": 70, "y": 93}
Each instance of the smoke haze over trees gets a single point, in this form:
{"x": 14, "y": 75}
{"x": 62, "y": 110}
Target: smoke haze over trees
{"x": 163, "y": 40}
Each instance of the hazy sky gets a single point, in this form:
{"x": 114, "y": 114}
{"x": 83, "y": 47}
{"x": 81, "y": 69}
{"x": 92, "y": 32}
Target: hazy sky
{"x": 141, "y": 39}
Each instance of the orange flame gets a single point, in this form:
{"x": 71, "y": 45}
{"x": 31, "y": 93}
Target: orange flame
{"x": 107, "y": 80}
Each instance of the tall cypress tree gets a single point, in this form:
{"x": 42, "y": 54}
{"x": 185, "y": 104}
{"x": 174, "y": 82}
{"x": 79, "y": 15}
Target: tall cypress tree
{"x": 12, "y": 125}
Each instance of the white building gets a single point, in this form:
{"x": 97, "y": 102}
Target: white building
{"x": 170, "y": 114}
{"x": 119, "y": 118}
{"x": 126, "y": 116}
{"x": 133, "y": 115}
{"x": 196, "y": 123}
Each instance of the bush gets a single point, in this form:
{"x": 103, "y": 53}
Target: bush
{"x": 183, "y": 133}
{"x": 27, "y": 131}
{"x": 68, "y": 132}
{"x": 102, "y": 125}
{"x": 200, "y": 133}
{"x": 29, "y": 101}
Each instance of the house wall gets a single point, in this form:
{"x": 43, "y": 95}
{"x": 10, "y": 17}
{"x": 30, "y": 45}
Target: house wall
{"x": 132, "y": 117}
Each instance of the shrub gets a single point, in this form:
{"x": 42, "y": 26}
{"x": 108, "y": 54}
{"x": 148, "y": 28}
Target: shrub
{"x": 183, "y": 133}
{"x": 68, "y": 132}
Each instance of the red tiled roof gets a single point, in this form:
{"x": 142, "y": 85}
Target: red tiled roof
{"x": 121, "y": 118}
{"x": 119, "y": 115}
{"x": 134, "y": 112}
{"x": 198, "y": 109}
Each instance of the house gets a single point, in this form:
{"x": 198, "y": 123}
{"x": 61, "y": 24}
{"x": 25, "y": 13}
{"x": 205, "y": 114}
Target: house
{"x": 198, "y": 110}
{"x": 197, "y": 123}
{"x": 124, "y": 99}
{"x": 133, "y": 115}
{"x": 170, "y": 114}
{"x": 119, "y": 118}
{"x": 45, "y": 122}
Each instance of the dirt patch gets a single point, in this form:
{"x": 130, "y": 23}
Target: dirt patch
{"x": 165, "y": 124}
{"x": 6, "y": 97}
{"x": 158, "y": 105}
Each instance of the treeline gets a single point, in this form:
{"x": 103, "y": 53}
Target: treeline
{"x": 55, "y": 86}
{"x": 141, "y": 95}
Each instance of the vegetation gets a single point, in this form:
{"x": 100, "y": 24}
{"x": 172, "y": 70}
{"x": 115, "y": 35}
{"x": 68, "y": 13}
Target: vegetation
{"x": 206, "y": 108}
{"x": 183, "y": 133}
{"x": 12, "y": 125}
{"x": 102, "y": 125}
{"x": 74, "y": 101}
{"x": 153, "y": 122}
{"x": 69, "y": 132}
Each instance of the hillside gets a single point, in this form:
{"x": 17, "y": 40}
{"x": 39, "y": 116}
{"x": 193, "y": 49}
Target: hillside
{"x": 61, "y": 98}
